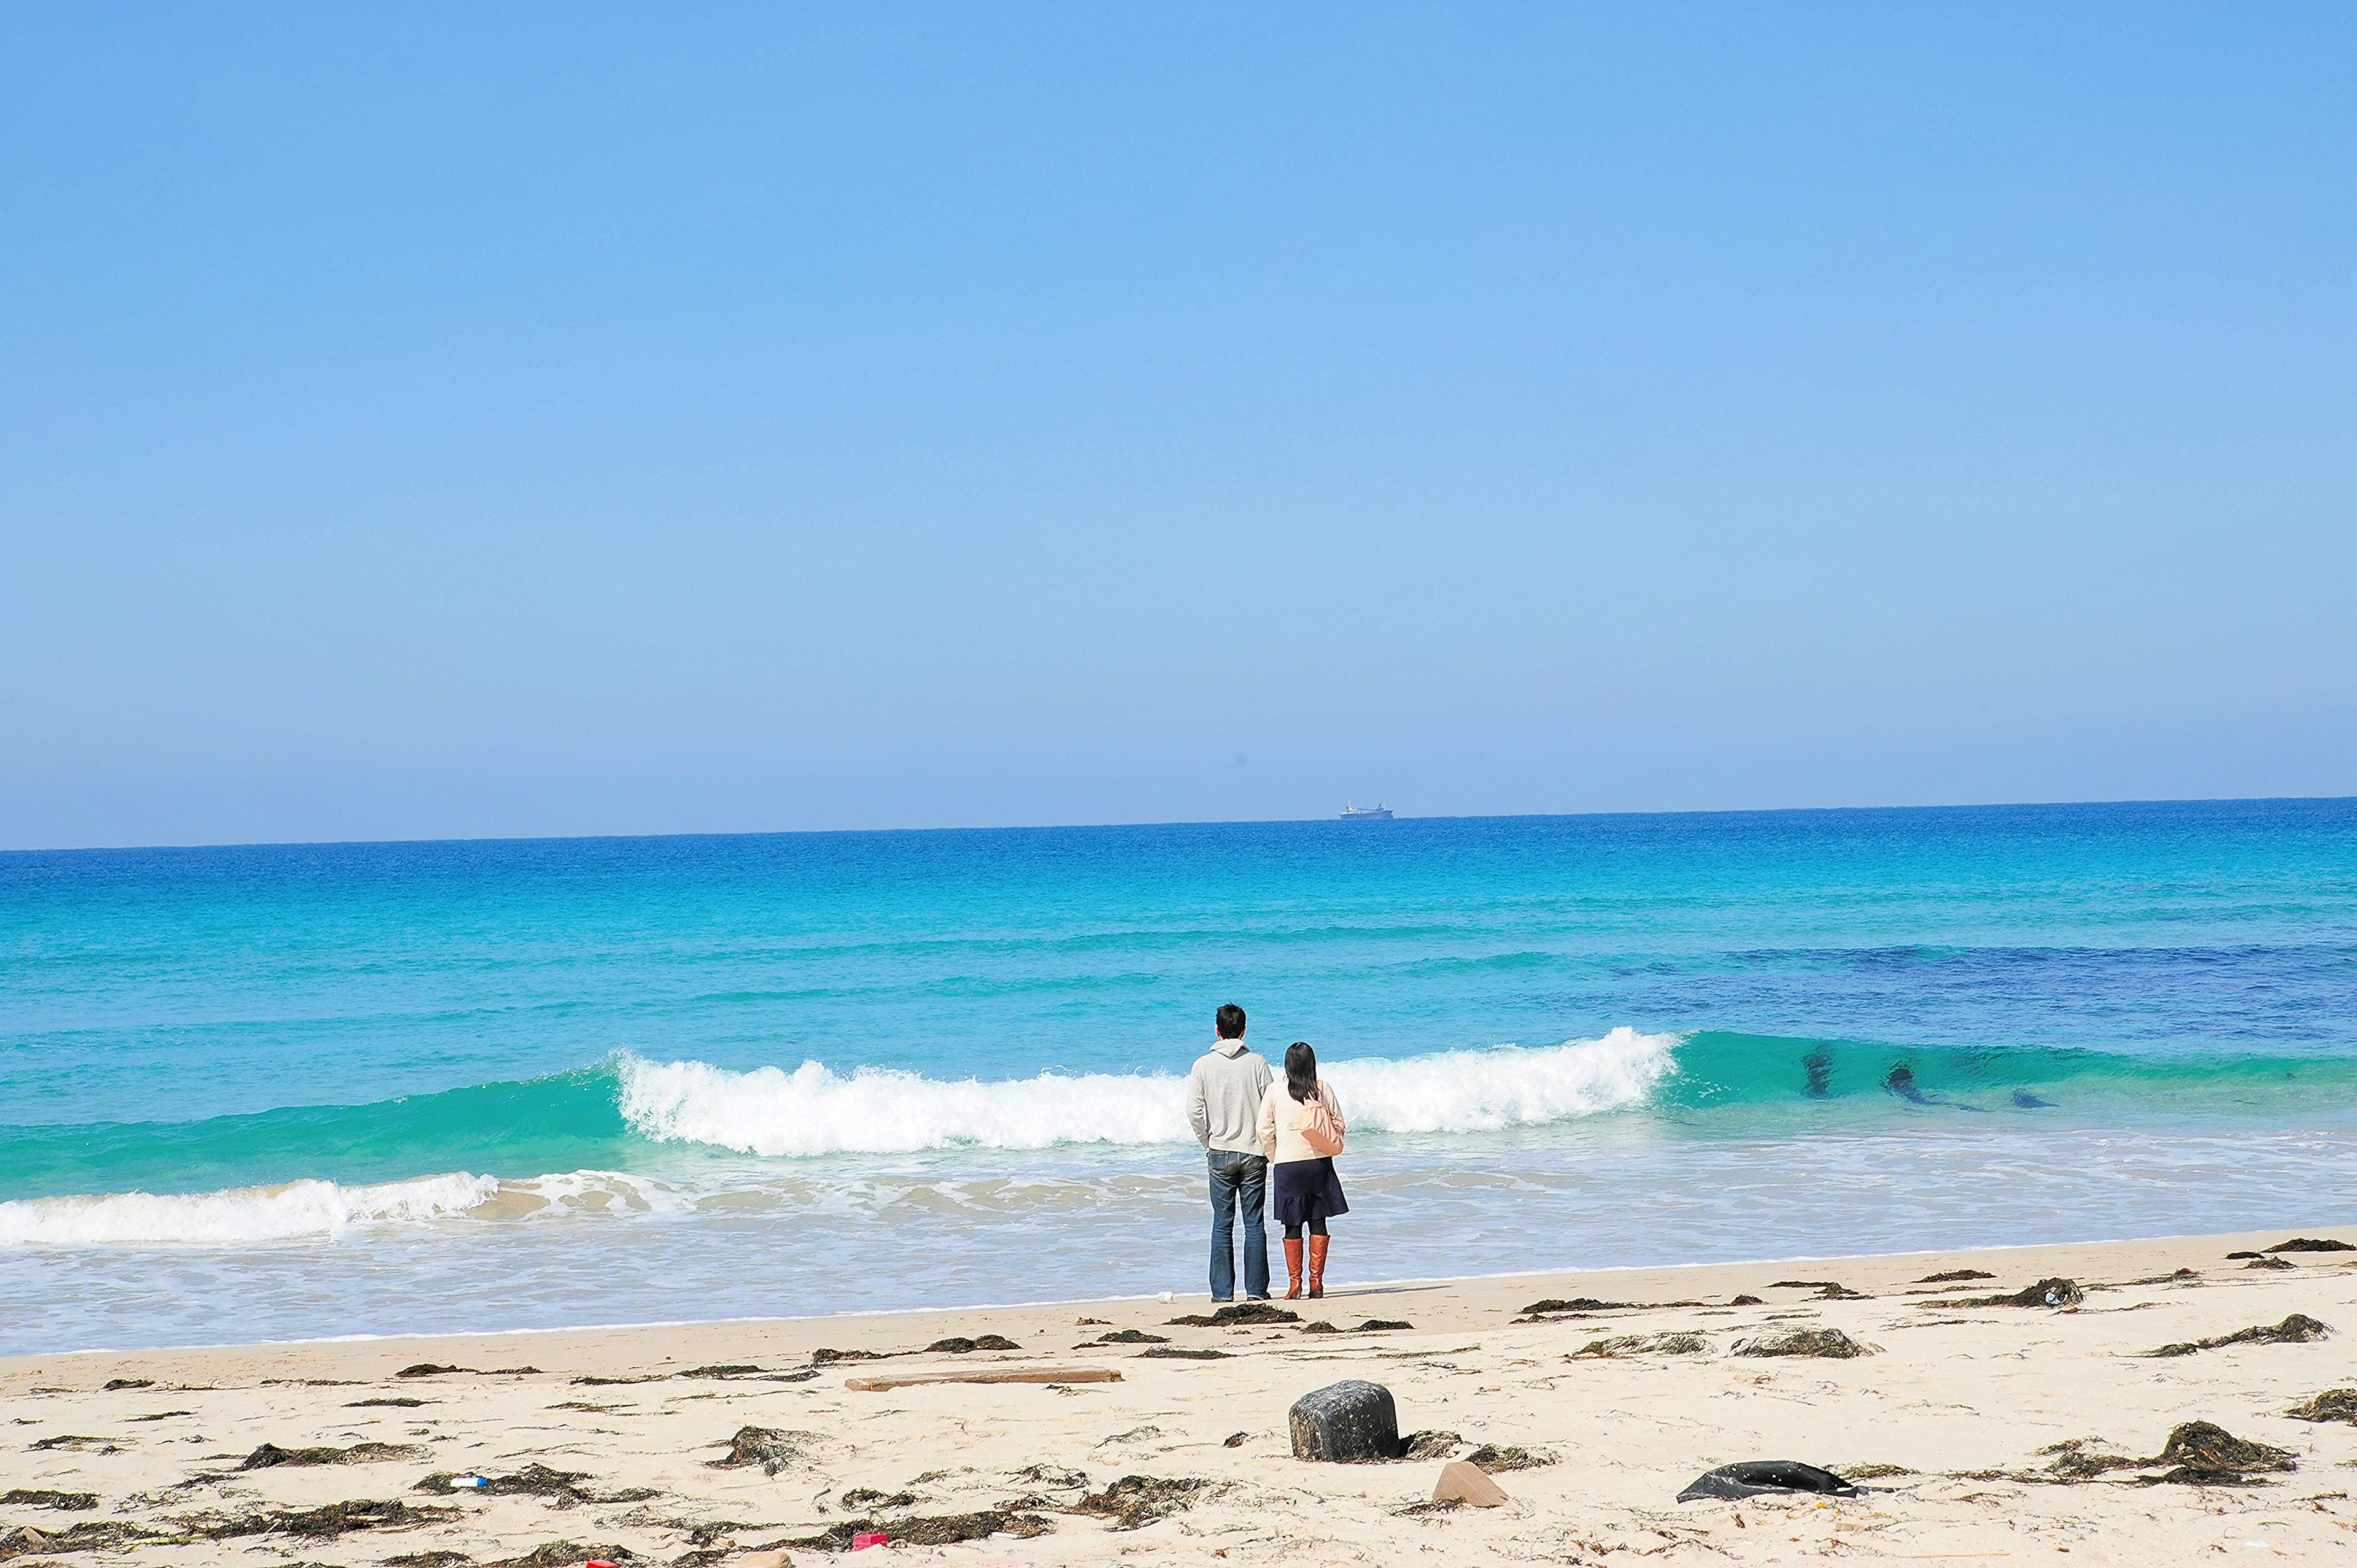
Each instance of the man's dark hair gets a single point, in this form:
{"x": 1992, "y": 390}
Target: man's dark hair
{"x": 1231, "y": 1021}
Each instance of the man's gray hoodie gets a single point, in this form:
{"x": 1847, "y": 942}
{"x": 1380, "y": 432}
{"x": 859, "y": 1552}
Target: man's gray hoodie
{"x": 1223, "y": 1097}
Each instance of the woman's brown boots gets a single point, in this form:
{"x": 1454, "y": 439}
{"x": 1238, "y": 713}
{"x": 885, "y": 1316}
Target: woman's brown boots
{"x": 1317, "y": 1245}
{"x": 1293, "y": 1268}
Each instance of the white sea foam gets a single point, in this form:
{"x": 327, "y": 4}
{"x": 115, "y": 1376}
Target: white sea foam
{"x": 295, "y": 1211}
{"x": 815, "y": 1111}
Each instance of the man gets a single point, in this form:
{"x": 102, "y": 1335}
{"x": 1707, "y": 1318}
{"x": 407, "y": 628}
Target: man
{"x": 1224, "y": 1107}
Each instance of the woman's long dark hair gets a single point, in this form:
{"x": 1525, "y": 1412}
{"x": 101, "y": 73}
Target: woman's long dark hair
{"x": 1301, "y": 1071}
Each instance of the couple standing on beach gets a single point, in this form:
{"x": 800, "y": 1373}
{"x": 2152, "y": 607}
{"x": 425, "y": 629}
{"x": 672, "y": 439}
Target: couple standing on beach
{"x": 1260, "y": 1133}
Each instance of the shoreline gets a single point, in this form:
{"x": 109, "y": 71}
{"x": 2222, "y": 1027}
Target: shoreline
{"x": 1954, "y": 1413}
{"x": 1149, "y": 1299}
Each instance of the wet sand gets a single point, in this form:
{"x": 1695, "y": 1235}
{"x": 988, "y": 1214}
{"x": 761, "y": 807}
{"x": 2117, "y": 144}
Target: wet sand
{"x": 1983, "y": 1432}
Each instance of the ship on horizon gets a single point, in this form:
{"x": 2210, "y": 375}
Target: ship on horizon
{"x": 1375, "y": 814}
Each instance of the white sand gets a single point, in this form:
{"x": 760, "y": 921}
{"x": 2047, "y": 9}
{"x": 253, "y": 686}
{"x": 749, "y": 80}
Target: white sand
{"x": 1962, "y": 1399}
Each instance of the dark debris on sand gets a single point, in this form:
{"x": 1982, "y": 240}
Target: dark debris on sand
{"x": 387, "y": 1404}
{"x": 2205, "y": 1454}
{"x": 1429, "y": 1446}
{"x": 1495, "y": 1460}
{"x": 771, "y": 1449}
{"x": 2270, "y": 1263}
{"x": 26, "y": 1540}
{"x": 112, "y": 1384}
{"x": 428, "y": 1560}
{"x": 1136, "y": 1501}
{"x": 824, "y": 1356}
{"x": 1955, "y": 1276}
{"x": 270, "y": 1456}
{"x": 1131, "y": 1337}
{"x": 1243, "y": 1314}
{"x": 2311, "y": 1244}
{"x": 2297, "y": 1330}
{"x": 562, "y": 1488}
{"x": 429, "y": 1369}
{"x": 1875, "y": 1472}
{"x": 1747, "y": 1301}
{"x": 921, "y": 1530}
{"x": 869, "y": 1498}
{"x": 1372, "y": 1325}
{"x": 1830, "y": 1344}
{"x": 960, "y": 1346}
{"x": 595, "y": 1381}
{"x": 1180, "y": 1353}
{"x": 75, "y": 1443}
{"x": 1646, "y": 1345}
{"x": 32, "y": 1497}
{"x": 2333, "y": 1404}
{"x": 1554, "y": 1304}
{"x": 325, "y": 1523}
{"x": 2053, "y": 1293}
{"x": 1055, "y": 1480}
{"x": 565, "y": 1554}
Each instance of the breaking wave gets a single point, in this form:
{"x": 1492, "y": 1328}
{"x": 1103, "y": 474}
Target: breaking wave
{"x": 296, "y": 1210}
{"x": 812, "y": 1110}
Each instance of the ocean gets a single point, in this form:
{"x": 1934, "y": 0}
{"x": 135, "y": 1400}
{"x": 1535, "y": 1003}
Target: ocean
{"x": 296, "y": 1091}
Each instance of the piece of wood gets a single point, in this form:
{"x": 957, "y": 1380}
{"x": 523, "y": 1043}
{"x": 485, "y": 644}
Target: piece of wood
{"x": 1468, "y": 1483}
{"x": 994, "y": 1375}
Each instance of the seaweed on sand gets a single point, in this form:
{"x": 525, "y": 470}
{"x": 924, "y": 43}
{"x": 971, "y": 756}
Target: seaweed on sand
{"x": 1495, "y": 1460}
{"x": 1136, "y": 1501}
{"x": 2333, "y": 1404}
{"x": 325, "y": 1523}
{"x": 1243, "y": 1314}
{"x": 2296, "y": 1329}
{"x": 30, "y": 1497}
{"x": 771, "y": 1449}
{"x": 1646, "y": 1344}
{"x": 562, "y": 1488}
{"x": 26, "y": 1541}
{"x": 270, "y": 1456}
{"x": 958, "y": 1344}
{"x": 2206, "y": 1454}
{"x": 926, "y": 1529}
{"x": 1827, "y": 1343}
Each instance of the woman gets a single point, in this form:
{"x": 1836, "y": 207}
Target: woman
{"x": 1301, "y": 1131}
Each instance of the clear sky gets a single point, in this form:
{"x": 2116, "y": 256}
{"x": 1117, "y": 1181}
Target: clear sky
{"x": 491, "y": 420}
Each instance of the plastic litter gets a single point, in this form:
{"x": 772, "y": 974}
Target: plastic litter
{"x": 477, "y": 1482}
{"x": 861, "y": 1543}
{"x": 1752, "y": 1476}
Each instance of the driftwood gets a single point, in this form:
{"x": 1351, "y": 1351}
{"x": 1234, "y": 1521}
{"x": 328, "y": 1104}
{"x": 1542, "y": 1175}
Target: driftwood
{"x": 993, "y": 1375}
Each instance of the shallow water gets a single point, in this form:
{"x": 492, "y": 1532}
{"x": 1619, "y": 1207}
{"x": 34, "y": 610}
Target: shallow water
{"x": 529, "y": 1084}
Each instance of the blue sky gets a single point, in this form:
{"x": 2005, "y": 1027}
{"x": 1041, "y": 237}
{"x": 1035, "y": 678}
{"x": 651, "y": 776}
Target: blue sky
{"x": 539, "y": 419}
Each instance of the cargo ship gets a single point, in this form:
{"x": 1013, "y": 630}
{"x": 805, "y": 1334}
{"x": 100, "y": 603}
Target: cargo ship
{"x": 1366, "y": 813}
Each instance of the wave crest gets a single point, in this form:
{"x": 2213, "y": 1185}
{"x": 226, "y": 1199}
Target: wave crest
{"x": 295, "y": 1211}
{"x": 812, "y": 1110}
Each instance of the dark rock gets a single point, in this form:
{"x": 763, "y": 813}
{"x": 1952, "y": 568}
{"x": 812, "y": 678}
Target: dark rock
{"x": 1828, "y": 1343}
{"x": 2333, "y": 1404}
{"x": 2311, "y": 1244}
{"x": 2296, "y": 1329}
{"x": 1350, "y": 1422}
{"x": 1753, "y": 1476}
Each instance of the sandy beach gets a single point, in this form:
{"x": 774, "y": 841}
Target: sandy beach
{"x": 1978, "y": 1430}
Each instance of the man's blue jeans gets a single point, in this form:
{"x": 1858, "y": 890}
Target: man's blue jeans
{"x": 1239, "y": 1179}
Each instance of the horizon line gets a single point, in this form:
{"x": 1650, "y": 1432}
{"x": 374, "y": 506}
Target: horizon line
{"x": 1220, "y": 823}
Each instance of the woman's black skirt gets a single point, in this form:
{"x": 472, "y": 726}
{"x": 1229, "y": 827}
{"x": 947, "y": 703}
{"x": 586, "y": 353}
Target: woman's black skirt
{"x": 1307, "y": 1190}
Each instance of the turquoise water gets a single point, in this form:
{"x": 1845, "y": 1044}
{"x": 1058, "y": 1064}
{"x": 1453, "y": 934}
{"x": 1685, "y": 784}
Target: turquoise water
{"x": 292, "y": 1091}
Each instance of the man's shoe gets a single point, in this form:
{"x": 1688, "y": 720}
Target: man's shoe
{"x": 1317, "y": 1245}
{"x": 1293, "y": 1268}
